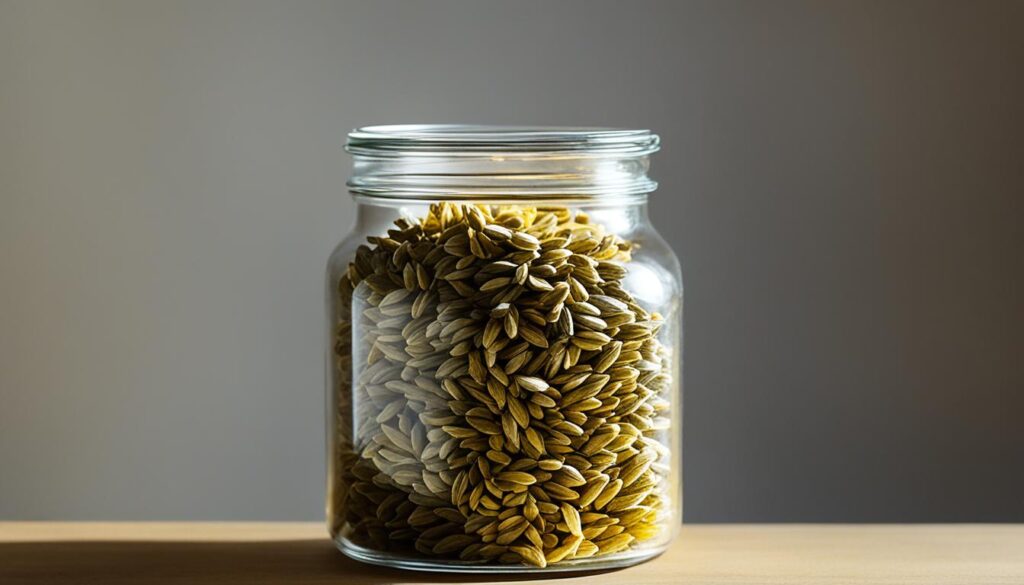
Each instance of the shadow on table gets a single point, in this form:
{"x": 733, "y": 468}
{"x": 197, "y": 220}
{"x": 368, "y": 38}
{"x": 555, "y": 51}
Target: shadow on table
{"x": 298, "y": 562}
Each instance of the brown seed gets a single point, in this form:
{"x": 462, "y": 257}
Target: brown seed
{"x": 532, "y": 335}
{"x": 534, "y": 439}
{"x": 518, "y": 412}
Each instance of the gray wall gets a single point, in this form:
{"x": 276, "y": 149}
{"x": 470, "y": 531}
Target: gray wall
{"x": 841, "y": 180}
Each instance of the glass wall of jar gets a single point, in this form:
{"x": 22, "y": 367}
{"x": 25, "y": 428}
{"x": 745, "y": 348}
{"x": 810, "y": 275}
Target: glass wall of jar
{"x": 504, "y": 358}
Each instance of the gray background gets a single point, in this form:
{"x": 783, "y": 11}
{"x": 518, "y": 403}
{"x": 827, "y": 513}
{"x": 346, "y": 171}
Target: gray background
{"x": 842, "y": 182}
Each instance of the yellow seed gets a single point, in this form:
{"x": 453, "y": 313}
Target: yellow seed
{"x": 512, "y": 377}
{"x": 531, "y": 383}
{"x": 550, "y": 464}
{"x": 572, "y": 518}
{"x": 530, "y": 555}
{"x": 607, "y": 494}
{"x": 585, "y": 549}
{"x": 614, "y": 544}
{"x": 594, "y": 489}
{"x": 520, "y": 477}
{"x": 568, "y": 547}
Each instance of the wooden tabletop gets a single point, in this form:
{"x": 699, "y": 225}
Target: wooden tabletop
{"x": 299, "y": 553}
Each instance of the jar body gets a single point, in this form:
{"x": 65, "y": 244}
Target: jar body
{"x": 503, "y": 385}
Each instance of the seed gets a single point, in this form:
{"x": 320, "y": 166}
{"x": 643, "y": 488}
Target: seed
{"x": 543, "y": 401}
{"x": 500, "y": 396}
{"x": 594, "y": 488}
{"x": 492, "y": 550}
{"x": 607, "y": 303}
{"x": 518, "y": 412}
{"x": 586, "y": 549}
{"x": 570, "y": 477}
{"x": 519, "y": 477}
{"x": 633, "y": 515}
{"x": 572, "y": 519}
{"x": 608, "y": 356}
{"x": 547, "y": 507}
{"x": 530, "y": 383}
{"x": 607, "y": 494}
{"x": 590, "y": 340}
{"x": 497, "y": 232}
{"x": 568, "y": 547}
{"x": 452, "y": 543}
{"x": 534, "y": 439}
{"x": 510, "y": 535}
{"x": 614, "y": 544}
{"x": 534, "y": 537}
{"x": 495, "y": 284}
{"x": 530, "y": 555}
{"x": 560, "y": 492}
{"x": 636, "y": 467}
{"x": 550, "y": 464}
{"x": 459, "y": 432}
{"x": 510, "y": 529}
{"x": 599, "y": 440}
{"x": 532, "y": 335}
{"x": 524, "y": 241}
{"x": 625, "y": 502}
{"x": 397, "y": 437}
{"x": 594, "y": 323}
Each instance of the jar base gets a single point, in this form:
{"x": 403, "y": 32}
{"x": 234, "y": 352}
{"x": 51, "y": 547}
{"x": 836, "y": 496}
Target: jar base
{"x": 413, "y": 563}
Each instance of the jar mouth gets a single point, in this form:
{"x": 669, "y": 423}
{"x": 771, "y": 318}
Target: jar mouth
{"x": 475, "y": 162}
{"x": 474, "y": 140}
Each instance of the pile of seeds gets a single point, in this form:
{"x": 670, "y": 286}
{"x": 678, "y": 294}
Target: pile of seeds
{"x": 499, "y": 397}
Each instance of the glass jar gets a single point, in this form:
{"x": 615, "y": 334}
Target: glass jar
{"x": 504, "y": 359}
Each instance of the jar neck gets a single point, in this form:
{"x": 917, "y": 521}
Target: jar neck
{"x": 578, "y": 178}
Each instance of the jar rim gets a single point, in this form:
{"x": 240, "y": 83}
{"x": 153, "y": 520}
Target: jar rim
{"x": 479, "y": 139}
{"x": 466, "y": 161}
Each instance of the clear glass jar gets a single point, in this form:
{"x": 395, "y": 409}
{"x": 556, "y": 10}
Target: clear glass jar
{"x": 504, "y": 358}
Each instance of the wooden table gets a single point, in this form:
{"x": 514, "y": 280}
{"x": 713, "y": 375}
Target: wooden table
{"x": 299, "y": 553}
